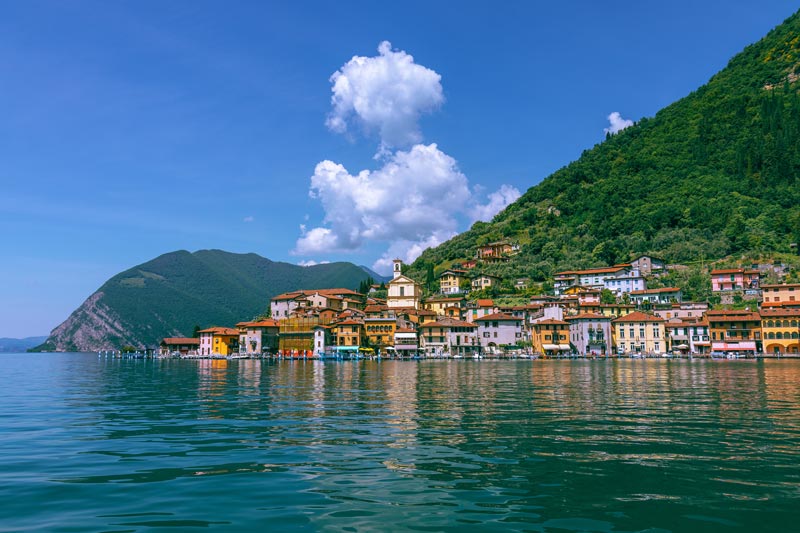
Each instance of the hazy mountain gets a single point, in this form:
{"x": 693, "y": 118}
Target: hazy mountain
{"x": 175, "y": 292}
{"x": 8, "y": 345}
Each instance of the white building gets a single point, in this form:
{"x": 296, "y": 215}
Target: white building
{"x": 498, "y": 330}
{"x": 590, "y": 334}
{"x": 403, "y": 292}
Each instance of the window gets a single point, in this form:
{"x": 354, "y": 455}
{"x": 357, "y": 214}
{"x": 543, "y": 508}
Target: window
{"x": 656, "y": 347}
{"x": 655, "y": 332}
{"x": 402, "y": 291}
{"x": 621, "y": 333}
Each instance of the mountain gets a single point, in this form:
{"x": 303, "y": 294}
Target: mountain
{"x": 713, "y": 174}
{"x": 174, "y": 293}
{"x": 8, "y": 345}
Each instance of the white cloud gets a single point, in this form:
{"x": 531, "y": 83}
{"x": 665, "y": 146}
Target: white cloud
{"x": 617, "y": 123}
{"x": 387, "y": 93}
{"x": 412, "y": 202}
{"x": 498, "y": 200}
{"x": 248, "y": 218}
{"x": 414, "y": 195}
{"x": 311, "y": 263}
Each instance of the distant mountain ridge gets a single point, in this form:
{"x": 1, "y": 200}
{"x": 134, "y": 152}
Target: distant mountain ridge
{"x": 9, "y": 345}
{"x": 714, "y": 174}
{"x": 175, "y": 292}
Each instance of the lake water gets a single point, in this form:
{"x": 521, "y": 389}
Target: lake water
{"x": 90, "y": 444}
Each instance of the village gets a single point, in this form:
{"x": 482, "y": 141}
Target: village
{"x": 592, "y": 313}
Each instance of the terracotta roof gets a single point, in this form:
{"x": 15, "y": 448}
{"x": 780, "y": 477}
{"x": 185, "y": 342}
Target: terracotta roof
{"x": 220, "y": 331}
{"x": 725, "y": 315}
{"x": 180, "y": 340}
{"x": 638, "y": 316}
{"x": 374, "y": 308}
{"x": 781, "y": 312}
{"x": 498, "y": 317}
{"x": 780, "y": 285}
{"x": 350, "y": 322}
{"x": 733, "y": 271}
{"x": 551, "y": 321}
{"x": 287, "y": 296}
{"x": 485, "y": 303}
{"x": 266, "y": 323}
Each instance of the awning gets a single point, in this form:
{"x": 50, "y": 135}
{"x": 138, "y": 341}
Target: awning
{"x": 682, "y": 346}
{"x": 405, "y": 346}
{"x": 346, "y": 348}
{"x": 734, "y": 346}
{"x": 556, "y": 347}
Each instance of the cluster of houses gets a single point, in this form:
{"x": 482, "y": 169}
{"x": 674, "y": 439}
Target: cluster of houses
{"x": 574, "y": 321}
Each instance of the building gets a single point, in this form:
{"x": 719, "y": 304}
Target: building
{"x": 296, "y": 336}
{"x": 638, "y": 332}
{"x": 590, "y": 334}
{"x": 451, "y": 281}
{"x": 496, "y": 251}
{"x": 619, "y": 279}
{"x": 734, "y": 279}
{"x": 478, "y": 308}
{"x": 550, "y": 337}
{"x": 499, "y": 331}
{"x": 687, "y": 336}
{"x": 180, "y": 345}
{"x": 648, "y": 265}
{"x": 406, "y": 343}
{"x": 450, "y": 306}
{"x": 785, "y": 294}
{"x": 448, "y": 335}
{"x": 286, "y": 304}
{"x": 323, "y": 339}
{"x": 737, "y": 332}
{"x": 403, "y": 292}
{"x": 349, "y": 334}
{"x": 219, "y": 341}
{"x": 380, "y": 332}
{"x": 684, "y": 310}
{"x": 258, "y": 337}
{"x": 780, "y": 330}
{"x": 484, "y": 281}
{"x": 649, "y": 297}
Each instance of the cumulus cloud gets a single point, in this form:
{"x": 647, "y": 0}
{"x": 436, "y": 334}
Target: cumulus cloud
{"x": 617, "y": 123}
{"x": 414, "y": 195}
{"x": 498, "y": 201}
{"x": 386, "y": 94}
{"x": 412, "y": 202}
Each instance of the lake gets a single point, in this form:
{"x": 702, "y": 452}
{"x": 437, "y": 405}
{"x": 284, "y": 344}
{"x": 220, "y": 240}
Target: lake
{"x": 89, "y": 444}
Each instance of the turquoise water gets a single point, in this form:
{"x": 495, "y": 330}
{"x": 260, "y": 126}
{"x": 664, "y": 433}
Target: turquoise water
{"x": 89, "y": 444}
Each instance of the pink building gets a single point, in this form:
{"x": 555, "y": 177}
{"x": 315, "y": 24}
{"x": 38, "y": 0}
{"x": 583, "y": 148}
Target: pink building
{"x": 734, "y": 279}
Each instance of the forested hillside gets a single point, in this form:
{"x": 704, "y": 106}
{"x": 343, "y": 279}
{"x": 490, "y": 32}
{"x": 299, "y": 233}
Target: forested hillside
{"x": 175, "y": 292}
{"x": 714, "y": 174}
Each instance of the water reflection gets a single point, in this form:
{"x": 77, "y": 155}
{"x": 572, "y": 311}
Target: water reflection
{"x": 438, "y": 445}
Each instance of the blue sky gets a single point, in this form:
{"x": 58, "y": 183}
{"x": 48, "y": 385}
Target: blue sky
{"x": 132, "y": 129}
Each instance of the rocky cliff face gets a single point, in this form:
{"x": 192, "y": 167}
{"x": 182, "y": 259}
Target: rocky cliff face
{"x": 93, "y": 326}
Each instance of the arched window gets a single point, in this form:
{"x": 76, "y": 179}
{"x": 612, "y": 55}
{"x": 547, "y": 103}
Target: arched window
{"x": 779, "y": 335}
{"x": 770, "y": 335}
{"x": 794, "y": 334}
{"x": 770, "y": 324}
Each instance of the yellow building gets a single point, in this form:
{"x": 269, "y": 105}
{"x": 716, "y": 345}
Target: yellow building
{"x": 349, "y": 332}
{"x": 550, "y": 337}
{"x": 638, "y": 332}
{"x": 296, "y": 335}
{"x": 450, "y": 281}
{"x": 380, "y": 332}
{"x": 780, "y": 330}
{"x": 219, "y": 341}
{"x": 785, "y": 294}
{"x": 449, "y": 306}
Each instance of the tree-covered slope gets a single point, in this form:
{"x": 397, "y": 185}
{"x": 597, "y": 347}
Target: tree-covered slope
{"x": 175, "y": 292}
{"x": 716, "y": 173}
